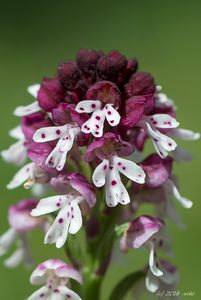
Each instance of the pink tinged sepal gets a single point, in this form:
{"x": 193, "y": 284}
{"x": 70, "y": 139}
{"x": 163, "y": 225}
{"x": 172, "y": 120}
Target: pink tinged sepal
{"x": 171, "y": 187}
{"x": 141, "y": 230}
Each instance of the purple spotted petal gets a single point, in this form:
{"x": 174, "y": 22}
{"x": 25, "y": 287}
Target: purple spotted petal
{"x": 157, "y": 170}
{"x": 141, "y": 230}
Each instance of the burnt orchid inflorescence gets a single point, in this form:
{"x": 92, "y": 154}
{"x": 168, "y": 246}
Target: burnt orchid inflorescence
{"x": 80, "y": 150}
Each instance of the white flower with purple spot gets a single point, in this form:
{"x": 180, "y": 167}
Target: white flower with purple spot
{"x": 22, "y": 111}
{"x": 17, "y": 152}
{"x": 162, "y": 143}
{"x": 95, "y": 124}
{"x": 65, "y": 134}
{"x": 54, "y": 274}
{"x": 107, "y": 173}
{"x": 68, "y": 220}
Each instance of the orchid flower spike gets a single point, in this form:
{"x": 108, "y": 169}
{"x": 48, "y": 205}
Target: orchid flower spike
{"x": 17, "y": 152}
{"x": 54, "y": 274}
{"x": 22, "y": 111}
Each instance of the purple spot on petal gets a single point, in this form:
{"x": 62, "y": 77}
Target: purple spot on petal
{"x": 58, "y": 131}
{"x": 113, "y": 182}
{"x": 43, "y": 135}
{"x": 60, "y": 220}
{"x": 98, "y": 118}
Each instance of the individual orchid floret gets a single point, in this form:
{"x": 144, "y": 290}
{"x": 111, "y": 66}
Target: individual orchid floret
{"x": 21, "y": 222}
{"x": 17, "y": 152}
{"x": 166, "y": 282}
{"x": 69, "y": 218}
{"x": 144, "y": 231}
{"x": 107, "y": 173}
{"x": 162, "y": 143}
{"x": 28, "y": 175}
{"x": 65, "y": 134}
{"x": 103, "y": 104}
{"x": 21, "y": 111}
{"x": 54, "y": 274}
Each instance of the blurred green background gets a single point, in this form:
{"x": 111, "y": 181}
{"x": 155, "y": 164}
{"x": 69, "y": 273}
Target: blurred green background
{"x": 165, "y": 36}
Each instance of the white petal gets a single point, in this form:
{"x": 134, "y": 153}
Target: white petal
{"x": 38, "y": 294}
{"x": 21, "y": 176}
{"x": 186, "y": 203}
{"x": 48, "y": 205}
{"x": 47, "y": 134}
{"x": 88, "y": 106}
{"x": 185, "y": 134}
{"x": 152, "y": 264}
{"x": 58, "y": 232}
{"x": 100, "y": 173}
{"x": 130, "y": 169}
{"x": 56, "y": 296}
{"x": 112, "y": 115}
{"x": 33, "y": 89}
{"x": 57, "y": 158}
{"x": 16, "y": 153}
{"x": 124, "y": 197}
{"x": 162, "y": 121}
{"x": 113, "y": 189}
{"x": 17, "y": 133}
{"x": 76, "y": 218}
{"x": 162, "y": 143}
{"x": 68, "y": 293}
{"x": 151, "y": 282}
{"x": 22, "y": 111}
{"x": 6, "y": 240}
{"x": 15, "y": 259}
{"x": 95, "y": 124}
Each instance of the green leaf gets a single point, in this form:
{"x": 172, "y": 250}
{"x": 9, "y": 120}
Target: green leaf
{"x": 123, "y": 287}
